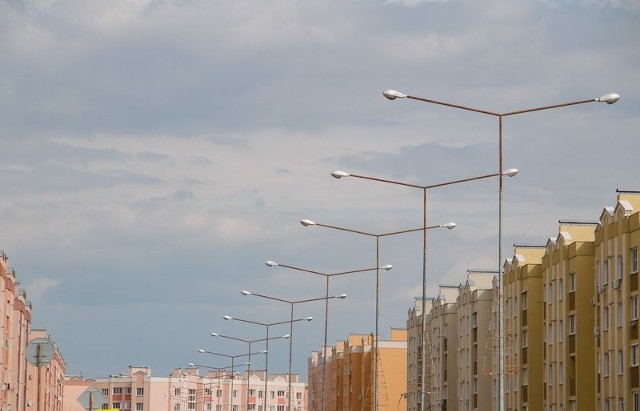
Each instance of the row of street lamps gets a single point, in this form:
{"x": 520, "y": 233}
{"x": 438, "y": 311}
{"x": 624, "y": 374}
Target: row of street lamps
{"x": 609, "y": 98}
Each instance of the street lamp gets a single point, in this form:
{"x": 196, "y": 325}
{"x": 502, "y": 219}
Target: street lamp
{"x": 249, "y": 342}
{"x": 292, "y": 303}
{"x": 232, "y": 357}
{"x": 266, "y": 358}
{"x": 609, "y": 98}
{"x": 311, "y": 223}
{"x": 327, "y": 277}
{"x": 338, "y": 174}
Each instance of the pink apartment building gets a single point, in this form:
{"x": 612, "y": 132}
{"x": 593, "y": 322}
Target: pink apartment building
{"x": 187, "y": 390}
{"x": 19, "y": 379}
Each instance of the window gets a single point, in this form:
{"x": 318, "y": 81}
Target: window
{"x": 272, "y": 394}
{"x": 560, "y": 330}
{"x": 105, "y": 392}
{"x": 116, "y": 405}
{"x": 117, "y": 390}
{"x": 605, "y": 318}
{"x": 127, "y": 406}
{"x": 176, "y": 391}
{"x": 525, "y": 376}
{"x": 525, "y": 338}
{"x": 619, "y": 315}
{"x": 634, "y": 307}
{"x": 561, "y": 373}
{"x": 560, "y": 289}
{"x": 636, "y": 401}
{"x": 260, "y": 394}
{"x": 634, "y": 260}
{"x": 218, "y": 393}
{"x": 127, "y": 390}
{"x": 280, "y": 393}
{"x": 176, "y": 406}
{"x": 235, "y": 394}
{"x": 619, "y": 268}
{"x": 605, "y": 364}
{"x": 252, "y": 392}
{"x": 139, "y": 406}
{"x": 620, "y": 404}
{"x": 524, "y": 300}
{"x": 139, "y": 391}
{"x": 605, "y": 272}
{"x": 572, "y": 324}
{"x": 620, "y": 362}
{"x": 280, "y": 407}
{"x": 234, "y": 408}
{"x": 251, "y": 406}
{"x": 572, "y": 282}
{"x": 298, "y": 396}
{"x": 634, "y": 355}
{"x": 207, "y": 391}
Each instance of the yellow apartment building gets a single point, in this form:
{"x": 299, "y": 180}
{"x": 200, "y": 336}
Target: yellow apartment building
{"x": 524, "y": 329}
{"x": 474, "y": 308}
{"x": 617, "y": 238}
{"x": 569, "y": 323}
{"x": 443, "y": 330}
{"x": 350, "y": 372}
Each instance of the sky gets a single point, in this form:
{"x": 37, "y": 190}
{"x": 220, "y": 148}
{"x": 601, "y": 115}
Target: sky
{"x": 156, "y": 153}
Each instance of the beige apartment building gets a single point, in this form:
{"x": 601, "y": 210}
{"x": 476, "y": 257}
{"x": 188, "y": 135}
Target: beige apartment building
{"x": 567, "y": 267}
{"x": 443, "y": 330}
{"x": 415, "y": 357}
{"x": 350, "y": 371}
{"x": 185, "y": 390}
{"x": 474, "y": 308}
{"x": 617, "y": 238}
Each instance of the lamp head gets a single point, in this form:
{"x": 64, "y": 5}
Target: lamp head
{"x": 386, "y": 267}
{"x": 609, "y": 98}
{"x": 245, "y": 292}
{"x": 510, "y": 172}
{"x": 339, "y": 174}
{"x": 201, "y": 351}
{"x": 341, "y": 296}
{"x": 270, "y": 263}
{"x": 307, "y": 223}
{"x": 286, "y": 336}
{"x": 227, "y": 317}
{"x": 191, "y": 364}
{"x": 449, "y": 226}
{"x": 214, "y": 334}
{"x": 393, "y": 94}
{"x": 263, "y": 352}
{"x": 309, "y": 318}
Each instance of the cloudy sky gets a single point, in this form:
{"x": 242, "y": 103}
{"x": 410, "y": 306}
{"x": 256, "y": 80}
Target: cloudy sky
{"x": 156, "y": 153}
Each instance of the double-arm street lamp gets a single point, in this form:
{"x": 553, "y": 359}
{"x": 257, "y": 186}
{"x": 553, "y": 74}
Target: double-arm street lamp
{"x": 266, "y": 339}
{"x": 249, "y": 343}
{"x": 327, "y": 277}
{"x": 311, "y": 223}
{"x": 609, "y": 98}
{"x": 341, "y": 174}
{"x": 232, "y": 358}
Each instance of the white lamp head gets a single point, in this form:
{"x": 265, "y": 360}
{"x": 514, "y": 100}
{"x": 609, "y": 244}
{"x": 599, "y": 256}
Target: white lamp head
{"x": 339, "y": 174}
{"x": 286, "y": 336}
{"x": 386, "y": 267}
{"x": 609, "y": 98}
{"x": 201, "y": 350}
{"x": 393, "y": 94}
{"x": 191, "y": 364}
{"x": 245, "y": 292}
{"x": 309, "y": 318}
{"x": 341, "y": 296}
{"x": 307, "y": 223}
{"x": 449, "y": 226}
{"x": 227, "y": 317}
{"x": 270, "y": 263}
{"x": 214, "y": 334}
{"x": 510, "y": 172}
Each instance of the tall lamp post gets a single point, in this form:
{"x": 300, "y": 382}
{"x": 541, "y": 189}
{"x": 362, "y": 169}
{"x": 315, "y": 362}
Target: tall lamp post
{"x": 310, "y": 223}
{"x": 292, "y": 304}
{"x": 266, "y": 326}
{"x": 232, "y": 358}
{"x": 341, "y": 174}
{"x": 327, "y": 277}
{"x": 609, "y": 98}
{"x": 249, "y": 343}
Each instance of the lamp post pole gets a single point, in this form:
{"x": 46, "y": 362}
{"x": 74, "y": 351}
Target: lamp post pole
{"x": 327, "y": 277}
{"x": 292, "y": 304}
{"x": 232, "y": 358}
{"x": 249, "y": 343}
{"x": 311, "y": 223}
{"x": 266, "y": 326}
{"x": 341, "y": 174}
{"x": 609, "y": 98}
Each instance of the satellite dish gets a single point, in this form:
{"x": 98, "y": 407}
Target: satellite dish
{"x": 40, "y": 352}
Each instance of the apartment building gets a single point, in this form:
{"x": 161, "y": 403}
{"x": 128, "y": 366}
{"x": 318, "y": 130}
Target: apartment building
{"x": 414, "y": 354}
{"x": 474, "y": 308}
{"x": 523, "y": 329}
{"x": 350, "y": 371}
{"x": 185, "y": 390}
{"x": 444, "y": 346}
{"x": 20, "y": 377}
{"x": 568, "y": 273}
{"x": 617, "y": 237}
